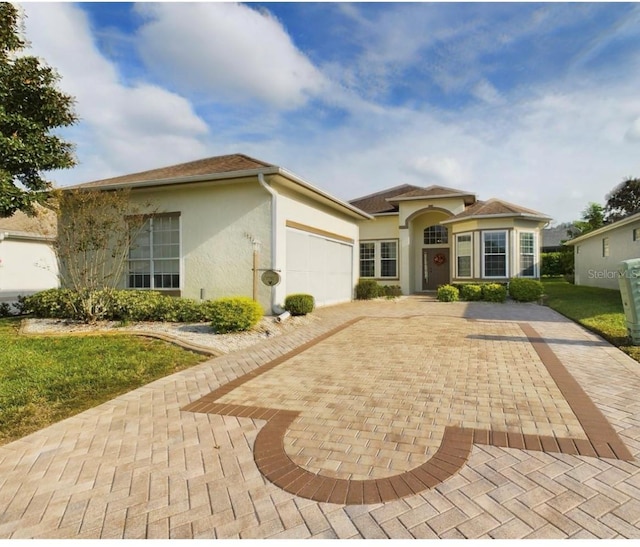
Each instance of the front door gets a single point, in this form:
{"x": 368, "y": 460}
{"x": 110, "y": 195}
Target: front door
{"x": 435, "y": 268}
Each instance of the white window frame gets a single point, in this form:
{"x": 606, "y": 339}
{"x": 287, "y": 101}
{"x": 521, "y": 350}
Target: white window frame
{"x": 533, "y": 254}
{"x": 360, "y": 259}
{"x": 636, "y": 234}
{"x": 470, "y": 255}
{"x": 378, "y": 258}
{"x": 506, "y": 254}
{"x": 151, "y": 259}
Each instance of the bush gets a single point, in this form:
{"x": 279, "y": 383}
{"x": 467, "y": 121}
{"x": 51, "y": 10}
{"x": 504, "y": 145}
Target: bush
{"x": 366, "y": 289}
{"x": 494, "y": 292}
{"x": 525, "y": 290}
{"x": 391, "y": 291}
{"x": 471, "y": 292}
{"x": 551, "y": 264}
{"x": 5, "y": 309}
{"x": 234, "y": 314}
{"x": 299, "y": 304}
{"x": 53, "y": 303}
{"x": 448, "y": 293}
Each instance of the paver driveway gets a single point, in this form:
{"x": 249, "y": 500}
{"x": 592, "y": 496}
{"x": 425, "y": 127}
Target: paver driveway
{"x": 384, "y": 419}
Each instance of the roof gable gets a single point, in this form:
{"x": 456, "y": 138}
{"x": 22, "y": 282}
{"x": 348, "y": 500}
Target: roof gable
{"x": 207, "y": 166}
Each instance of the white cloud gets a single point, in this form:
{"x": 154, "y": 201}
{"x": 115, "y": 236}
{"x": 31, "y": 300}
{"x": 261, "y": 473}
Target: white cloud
{"x": 227, "y": 51}
{"x": 122, "y": 128}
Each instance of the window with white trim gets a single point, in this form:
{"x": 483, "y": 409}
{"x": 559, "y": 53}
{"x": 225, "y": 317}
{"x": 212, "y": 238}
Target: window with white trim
{"x": 379, "y": 259}
{"x": 494, "y": 254}
{"x": 527, "y": 254}
{"x": 154, "y": 254}
{"x": 463, "y": 255}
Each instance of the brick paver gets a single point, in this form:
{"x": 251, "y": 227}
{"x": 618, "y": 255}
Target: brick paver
{"x": 369, "y": 402}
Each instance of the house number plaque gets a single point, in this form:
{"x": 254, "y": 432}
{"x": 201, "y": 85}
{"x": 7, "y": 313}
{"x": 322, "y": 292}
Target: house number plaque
{"x": 270, "y": 278}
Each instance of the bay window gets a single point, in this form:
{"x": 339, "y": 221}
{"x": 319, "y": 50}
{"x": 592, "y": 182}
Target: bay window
{"x": 527, "y": 254}
{"x": 494, "y": 254}
{"x": 463, "y": 255}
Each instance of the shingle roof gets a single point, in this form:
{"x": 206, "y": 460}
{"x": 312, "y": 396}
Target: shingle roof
{"x": 44, "y": 223}
{"x": 494, "y": 207}
{"x": 207, "y": 166}
{"x": 377, "y": 203}
{"x": 385, "y": 201}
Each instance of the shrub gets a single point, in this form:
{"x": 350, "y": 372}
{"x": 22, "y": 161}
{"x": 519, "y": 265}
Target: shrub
{"x": 366, "y": 289}
{"x": 299, "y": 304}
{"x": 551, "y": 264}
{"x": 525, "y": 290}
{"x": 391, "y": 291}
{"x": 448, "y": 293}
{"x": 5, "y": 309}
{"x": 53, "y": 303}
{"x": 471, "y": 292}
{"x": 494, "y": 292}
{"x": 234, "y": 314}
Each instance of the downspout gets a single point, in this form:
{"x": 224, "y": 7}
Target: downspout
{"x": 274, "y": 238}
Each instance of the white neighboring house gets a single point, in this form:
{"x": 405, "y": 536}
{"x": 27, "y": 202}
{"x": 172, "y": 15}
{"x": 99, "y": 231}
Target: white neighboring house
{"x": 27, "y": 258}
{"x": 599, "y": 253}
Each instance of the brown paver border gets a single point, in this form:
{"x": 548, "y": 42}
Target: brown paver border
{"x": 455, "y": 449}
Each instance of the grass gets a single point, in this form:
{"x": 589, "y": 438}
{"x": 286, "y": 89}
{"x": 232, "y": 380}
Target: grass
{"x": 46, "y": 379}
{"x": 599, "y": 310}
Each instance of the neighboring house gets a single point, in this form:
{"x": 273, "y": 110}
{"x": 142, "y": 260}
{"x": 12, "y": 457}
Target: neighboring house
{"x": 221, "y": 222}
{"x": 553, "y": 238}
{"x": 598, "y": 254}
{"x": 27, "y": 257}
{"x": 421, "y": 238}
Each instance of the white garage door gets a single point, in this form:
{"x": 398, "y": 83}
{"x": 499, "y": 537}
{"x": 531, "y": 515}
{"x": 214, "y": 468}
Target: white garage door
{"x": 319, "y": 266}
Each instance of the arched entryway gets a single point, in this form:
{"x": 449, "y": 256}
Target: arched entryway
{"x": 430, "y": 244}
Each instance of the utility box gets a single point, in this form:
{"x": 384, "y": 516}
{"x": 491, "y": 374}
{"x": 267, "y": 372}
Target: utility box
{"x": 629, "y": 282}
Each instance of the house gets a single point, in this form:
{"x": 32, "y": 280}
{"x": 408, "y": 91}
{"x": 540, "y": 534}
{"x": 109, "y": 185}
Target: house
{"x": 421, "y": 238}
{"x": 553, "y": 238}
{"x": 598, "y": 254}
{"x": 27, "y": 258}
{"x": 234, "y": 225}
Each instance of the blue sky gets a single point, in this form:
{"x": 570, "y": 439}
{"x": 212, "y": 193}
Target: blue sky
{"x": 536, "y": 104}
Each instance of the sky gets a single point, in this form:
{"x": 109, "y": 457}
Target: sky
{"x": 533, "y": 103}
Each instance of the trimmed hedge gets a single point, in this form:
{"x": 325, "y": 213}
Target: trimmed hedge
{"x": 234, "y": 314}
{"x": 299, "y": 304}
{"x": 448, "y": 293}
{"x": 471, "y": 292}
{"x": 366, "y": 289}
{"x": 494, "y": 292}
{"x": 525, "y": 290}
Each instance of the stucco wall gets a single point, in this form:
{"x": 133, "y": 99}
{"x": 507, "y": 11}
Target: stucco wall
{"x": 594, "y": 270}
{"x": 26, "y": 267}
{"x": 296, "y": 207}
{"x": 217, "y": 226}
{"x": 384, "y": 227}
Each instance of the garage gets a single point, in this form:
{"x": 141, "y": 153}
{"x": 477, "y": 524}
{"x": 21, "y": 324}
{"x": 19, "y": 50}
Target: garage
{"x": 320, "y": 266}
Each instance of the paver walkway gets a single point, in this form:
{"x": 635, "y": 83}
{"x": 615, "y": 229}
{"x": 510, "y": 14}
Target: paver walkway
{"x": 383, "y": 419}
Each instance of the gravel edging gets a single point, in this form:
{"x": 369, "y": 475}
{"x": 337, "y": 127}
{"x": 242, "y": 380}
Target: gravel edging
{"x": 198, "y": 337}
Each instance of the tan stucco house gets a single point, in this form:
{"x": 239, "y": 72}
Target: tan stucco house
{"x": 421, "y": 238}
{"x": 598, "y": 254}
{"x": 27, "y": 258}
{"x": 219, "y": 223}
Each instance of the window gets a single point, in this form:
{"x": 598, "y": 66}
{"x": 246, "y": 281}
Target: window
{"x": 463, "y": 255}
{"x": 434, "y": 235}
{"x": 388, "y": 259}
{"x": 379, "y": 259}
{"x": 367, "y": 259}
{"x": 636, "y": 234}
{"x": 527, "y": 254}
{"x": 495, "y": 254}
{"x": 154, "y": 254}
{"x": 605, "y": 247}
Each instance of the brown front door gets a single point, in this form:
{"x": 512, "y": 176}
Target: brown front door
{"x": 435, "y": 268}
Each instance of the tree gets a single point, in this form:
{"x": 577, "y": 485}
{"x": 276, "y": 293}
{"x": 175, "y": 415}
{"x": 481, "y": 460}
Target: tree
{"x": 31, "y": 107}
{"x": 592, "y": 219}
{"x": 623, "y": 200}
{"x": 95, "y": 231}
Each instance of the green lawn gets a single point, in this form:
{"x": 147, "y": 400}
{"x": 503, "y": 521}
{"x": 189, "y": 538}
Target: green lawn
{"x": 599, "y": 310}
{"x": 46, "y": 379}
